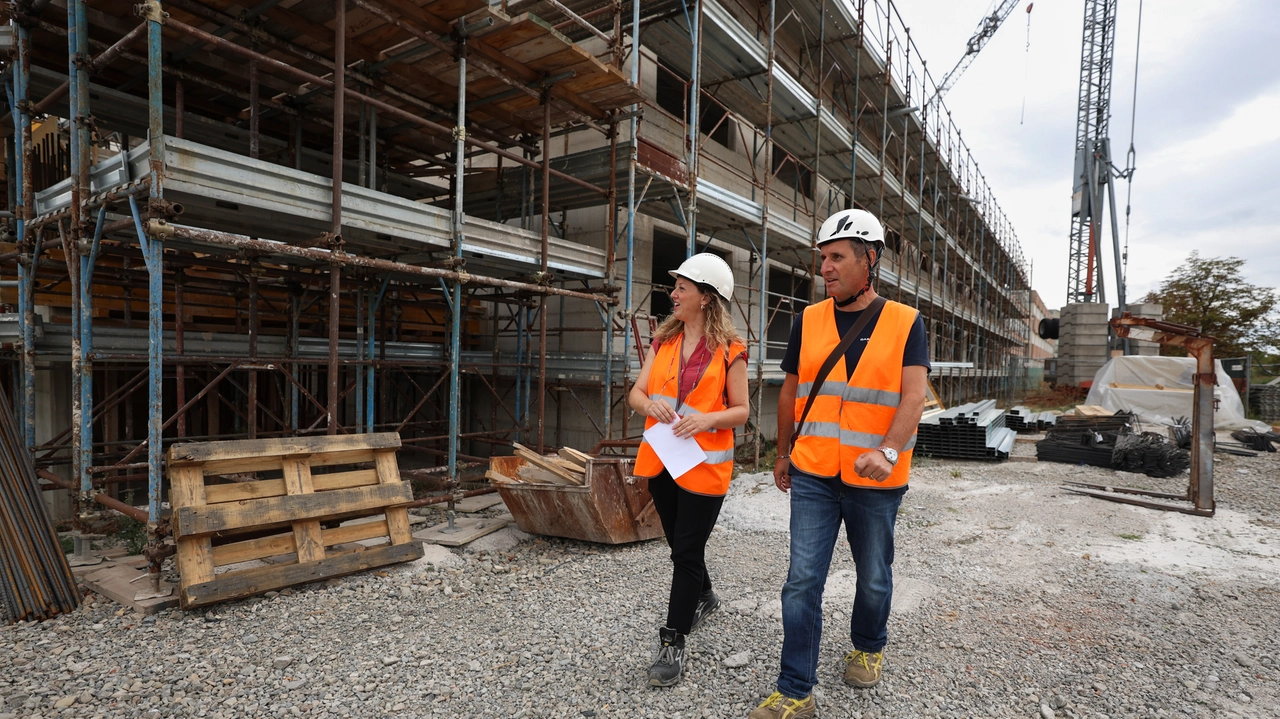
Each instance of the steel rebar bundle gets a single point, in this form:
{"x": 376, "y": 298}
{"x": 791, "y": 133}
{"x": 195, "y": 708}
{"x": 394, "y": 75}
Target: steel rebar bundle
{"x": 35, "y": 579}
{"x": 1150, "y": 453}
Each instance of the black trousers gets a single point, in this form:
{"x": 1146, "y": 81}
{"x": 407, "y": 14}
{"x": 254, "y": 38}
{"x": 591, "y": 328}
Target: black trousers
{"x": 687, "y": 520}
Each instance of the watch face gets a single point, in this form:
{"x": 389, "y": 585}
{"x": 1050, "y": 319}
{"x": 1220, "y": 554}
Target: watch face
{"x": 890, "y": 454}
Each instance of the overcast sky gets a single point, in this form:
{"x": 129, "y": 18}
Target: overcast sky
{"x": 1207, "y": 136}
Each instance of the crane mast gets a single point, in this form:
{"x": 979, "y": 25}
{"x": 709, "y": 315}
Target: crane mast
{"x": 1093, "y": 169}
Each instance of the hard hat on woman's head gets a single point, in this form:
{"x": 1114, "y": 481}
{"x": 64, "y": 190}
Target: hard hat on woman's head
{"x": 708, "y": 269}
{"x": 857, "y": 225}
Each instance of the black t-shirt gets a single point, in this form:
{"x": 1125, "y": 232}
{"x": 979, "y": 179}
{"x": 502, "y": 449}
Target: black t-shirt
{"x": 914, "y": 354}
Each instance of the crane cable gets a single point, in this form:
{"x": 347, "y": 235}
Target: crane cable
{"x": 1026, "y": 66}
{"x": 1131, "y": 157}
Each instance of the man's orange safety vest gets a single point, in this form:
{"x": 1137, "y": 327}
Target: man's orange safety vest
{"x": 851, "y": 415}
{"x": 708, "y": 395}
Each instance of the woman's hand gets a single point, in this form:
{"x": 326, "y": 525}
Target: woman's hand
{"x": 692, "y": 424}
{"x": 660, "y": 411}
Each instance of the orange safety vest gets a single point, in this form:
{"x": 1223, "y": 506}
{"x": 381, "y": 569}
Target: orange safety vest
{"x": 851, "y": 415}
{"x": 708, "y": 395}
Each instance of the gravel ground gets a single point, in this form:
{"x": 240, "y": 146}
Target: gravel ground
{"x": 1014, "y": 599}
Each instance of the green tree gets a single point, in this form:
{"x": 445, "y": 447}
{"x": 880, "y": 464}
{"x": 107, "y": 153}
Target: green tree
{"x": 1210, "y": 293}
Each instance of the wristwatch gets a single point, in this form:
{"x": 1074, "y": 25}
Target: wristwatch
{"x": 889, "y": 453}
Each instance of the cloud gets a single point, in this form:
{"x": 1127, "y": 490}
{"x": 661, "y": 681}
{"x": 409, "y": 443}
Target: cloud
{"x": 1207, "y": 139}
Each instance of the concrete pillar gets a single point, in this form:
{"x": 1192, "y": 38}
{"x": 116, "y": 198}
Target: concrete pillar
{"x": 53, "y": 415}
{"x": 1082, "y": 342}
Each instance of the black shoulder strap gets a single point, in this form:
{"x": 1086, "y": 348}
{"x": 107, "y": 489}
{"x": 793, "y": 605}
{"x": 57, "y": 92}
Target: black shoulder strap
{"x": 869, "y": 314}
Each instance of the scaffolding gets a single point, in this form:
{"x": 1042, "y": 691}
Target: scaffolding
{"x": 196, "y": 236}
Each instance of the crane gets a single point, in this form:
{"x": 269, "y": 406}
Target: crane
{"x": 991, "y": 21}
{"x": 1094, "y": 171}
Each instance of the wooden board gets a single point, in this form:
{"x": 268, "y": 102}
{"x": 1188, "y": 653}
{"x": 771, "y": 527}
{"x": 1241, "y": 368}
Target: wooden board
{"x": 574, "y": 457}
{"x": 218, "y": 493}
{"x": 468, "y": 530}
{"x": 313, "y": 505}
{"x": 478, "y": 503}
{"x": 205, "y": 452}
{"x": 245, "y": 583}
{"x": 288, "y": 508}
{"x": 546, "y": 464}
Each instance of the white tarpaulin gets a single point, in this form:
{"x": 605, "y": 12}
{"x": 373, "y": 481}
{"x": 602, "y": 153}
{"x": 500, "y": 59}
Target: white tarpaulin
{"x": 1158, "y": 389}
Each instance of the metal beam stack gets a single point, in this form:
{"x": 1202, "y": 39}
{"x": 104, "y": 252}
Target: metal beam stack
{"x": 1085, "y": 439}
{"x": 1264, "y": 400}
{"x": 1023, "y": 420}
{"x": 35, "y": 580}
{"x": 969, "y": 431}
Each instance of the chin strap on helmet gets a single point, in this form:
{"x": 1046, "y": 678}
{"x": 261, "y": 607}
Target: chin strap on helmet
{"x": 872, "y": 271}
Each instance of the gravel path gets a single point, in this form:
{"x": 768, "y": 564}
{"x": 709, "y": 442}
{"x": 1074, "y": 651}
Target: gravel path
{"x": 1014, "y": 599}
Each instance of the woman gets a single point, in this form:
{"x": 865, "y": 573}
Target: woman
{"x": 695, "y": 378}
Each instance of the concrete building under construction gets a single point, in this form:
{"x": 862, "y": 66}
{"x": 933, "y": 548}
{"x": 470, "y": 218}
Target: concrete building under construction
{"x": 451, "y": 218}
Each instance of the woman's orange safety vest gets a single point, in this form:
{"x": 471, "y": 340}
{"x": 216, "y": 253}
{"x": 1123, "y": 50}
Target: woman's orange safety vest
{"x": 708, "y": 395}
{"x": 851, "y": 415}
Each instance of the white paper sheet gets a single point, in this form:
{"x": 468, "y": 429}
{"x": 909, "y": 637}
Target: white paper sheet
{"x": 678, "y": 455}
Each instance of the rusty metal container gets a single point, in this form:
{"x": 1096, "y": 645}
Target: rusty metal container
{"x": 611, "y": 507}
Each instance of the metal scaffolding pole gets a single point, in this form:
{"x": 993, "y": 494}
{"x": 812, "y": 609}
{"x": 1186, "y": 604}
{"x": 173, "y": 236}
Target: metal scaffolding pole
{"x": 153, "y": 251}
{"x": 631, "y": 218}
{"x": 694, "y": 122}
{"x": 23, "y": 205}
{"x": 763, "y": 320}
{"x": 335, "y": 270}
{"x": 455, "y": 306}
{"x": 543, "y": 274}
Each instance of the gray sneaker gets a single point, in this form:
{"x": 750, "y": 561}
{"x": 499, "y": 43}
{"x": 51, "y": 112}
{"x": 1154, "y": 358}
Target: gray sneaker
{"x": 708, "y": 603}
{"x": 669, "y": 665}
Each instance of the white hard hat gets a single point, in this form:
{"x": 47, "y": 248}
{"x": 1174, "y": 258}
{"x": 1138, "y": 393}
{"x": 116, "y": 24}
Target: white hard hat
{"x": 857, "y": 225}
{"x": 708, "y": 269}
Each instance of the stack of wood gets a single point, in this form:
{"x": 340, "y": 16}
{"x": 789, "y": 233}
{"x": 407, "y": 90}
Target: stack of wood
{"x": 1092, "y": 410}
{"x": 567, "y": 467}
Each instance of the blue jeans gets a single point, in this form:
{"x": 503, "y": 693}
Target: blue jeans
{"x": 818, "y": 506}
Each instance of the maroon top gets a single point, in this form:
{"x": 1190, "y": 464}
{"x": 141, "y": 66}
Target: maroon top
{"x": 691, "y": 371}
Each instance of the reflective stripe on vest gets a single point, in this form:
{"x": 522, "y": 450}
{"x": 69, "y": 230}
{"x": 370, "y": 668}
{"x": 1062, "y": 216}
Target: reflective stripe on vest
{"x": 851, "y": 415}
{"x": 712, "y": 476}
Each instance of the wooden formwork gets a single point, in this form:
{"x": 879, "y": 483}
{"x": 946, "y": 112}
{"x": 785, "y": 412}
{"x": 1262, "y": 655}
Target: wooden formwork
{"x": 285, "y": 501}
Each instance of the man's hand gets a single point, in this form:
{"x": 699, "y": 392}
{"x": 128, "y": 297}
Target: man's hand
{"x": 873, "y": 465}
{"x": 692, "y": 424}
{"x": 782, "y": 474}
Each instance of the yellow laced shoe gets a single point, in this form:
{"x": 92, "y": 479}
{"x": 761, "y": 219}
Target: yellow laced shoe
{"x": 778, "y": 706}
{"x": 863, "y": 670}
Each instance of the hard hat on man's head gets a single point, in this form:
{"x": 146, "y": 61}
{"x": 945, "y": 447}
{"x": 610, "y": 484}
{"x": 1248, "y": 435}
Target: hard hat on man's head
{"x": 708, "y": 269}
{"x": 858, "y": 225}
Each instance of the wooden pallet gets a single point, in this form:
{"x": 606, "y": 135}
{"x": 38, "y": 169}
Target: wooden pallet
{"x": 299, "y": 485}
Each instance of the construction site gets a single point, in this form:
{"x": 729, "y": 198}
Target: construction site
{"x": 421, "y": 246}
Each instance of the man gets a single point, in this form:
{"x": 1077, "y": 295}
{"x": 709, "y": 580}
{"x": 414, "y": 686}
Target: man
{"x": 850, "y": 457}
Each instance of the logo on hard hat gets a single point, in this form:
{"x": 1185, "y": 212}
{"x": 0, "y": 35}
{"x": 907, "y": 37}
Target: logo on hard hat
{"x": 847, "y": 222}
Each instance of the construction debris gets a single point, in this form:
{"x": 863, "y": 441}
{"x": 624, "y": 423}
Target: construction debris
{"x": 568, "y": 467}
{"x": 970, "y": 431}
{"x": 575, "y": 495}
{"x": 289, "y": 521}
{"x": 35, "y": 579}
